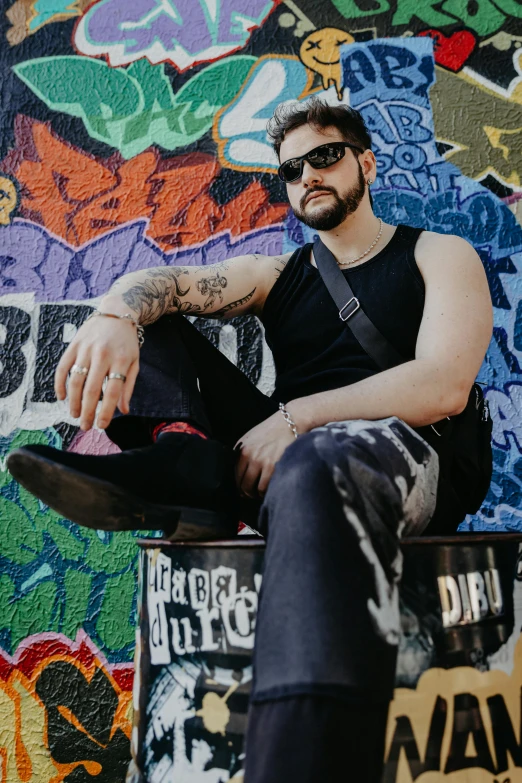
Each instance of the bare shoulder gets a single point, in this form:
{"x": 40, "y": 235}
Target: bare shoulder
{"x": 441, "y": 253}
{"x": 259, "y": 262}
{"x": 261, "y": 268}
{"x": 431, "y": 244}
{"x": 273, "y": 261}
{"x": 270, "y": 267}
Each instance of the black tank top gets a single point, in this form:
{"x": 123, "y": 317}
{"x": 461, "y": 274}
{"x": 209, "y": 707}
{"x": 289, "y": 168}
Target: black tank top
{"x": 313, "y": 349}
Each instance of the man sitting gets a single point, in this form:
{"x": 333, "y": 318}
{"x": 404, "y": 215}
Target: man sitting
{"x": 340, "y": 471}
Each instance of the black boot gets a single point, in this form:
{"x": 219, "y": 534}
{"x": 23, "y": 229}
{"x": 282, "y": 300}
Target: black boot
{"x": 182, "y": 484}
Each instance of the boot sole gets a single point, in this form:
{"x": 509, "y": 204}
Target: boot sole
{"x": 100, "y": 505}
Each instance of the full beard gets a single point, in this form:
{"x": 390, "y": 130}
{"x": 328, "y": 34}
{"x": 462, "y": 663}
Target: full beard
{"x": 332, "y": 216}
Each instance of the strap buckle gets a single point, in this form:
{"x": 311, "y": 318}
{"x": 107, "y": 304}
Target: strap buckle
{"x": 352, "y": 312}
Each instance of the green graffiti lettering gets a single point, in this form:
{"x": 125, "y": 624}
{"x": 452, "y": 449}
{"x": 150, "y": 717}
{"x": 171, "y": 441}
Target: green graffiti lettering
{"x": 426, "y": 12}
{"x": 85, "y": 88}
{"x": 351, "y": 10}
{"x": 133, "y": 108}
{"x": 486, "y": 19}
{"x": 510, "y": 7}
{"x": 21, "y": 542}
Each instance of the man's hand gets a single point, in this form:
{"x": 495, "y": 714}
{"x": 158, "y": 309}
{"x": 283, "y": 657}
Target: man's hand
{"x": 259, "y": 451}
{"x": 101, "y": 345}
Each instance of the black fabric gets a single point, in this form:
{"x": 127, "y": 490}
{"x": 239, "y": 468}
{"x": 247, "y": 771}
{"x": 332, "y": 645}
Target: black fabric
{"x": 462, "y": 443}
{"x": 339, "y": 500}
{"x": 351, "y": 311}
{"x": 307, "y": 739}
{"x": 179, "y": 469}
{"x": 313, "y": 350}
{"x": 183, "y": 377}
{"x": 466, "y": 462}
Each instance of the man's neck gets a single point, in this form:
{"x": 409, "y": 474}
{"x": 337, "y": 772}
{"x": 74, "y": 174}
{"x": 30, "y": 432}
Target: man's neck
{"x": 354, "y": 235}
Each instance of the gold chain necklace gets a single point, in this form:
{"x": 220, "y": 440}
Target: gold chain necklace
{"x": 353, "y": 260}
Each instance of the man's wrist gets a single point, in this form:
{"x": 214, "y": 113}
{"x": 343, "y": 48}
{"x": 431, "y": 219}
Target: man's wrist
{"x": 113, "y": 303}
{"x": 300, "y": 411}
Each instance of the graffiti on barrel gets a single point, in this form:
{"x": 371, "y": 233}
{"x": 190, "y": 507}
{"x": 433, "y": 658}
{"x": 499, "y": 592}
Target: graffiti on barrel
{"x": 456, "y": 709}
{"x": 198, "y": 620}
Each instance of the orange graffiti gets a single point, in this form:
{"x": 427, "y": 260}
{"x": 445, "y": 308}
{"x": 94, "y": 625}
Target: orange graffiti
{"x": 26, "y": 742}
{"x": 79, "y": 197}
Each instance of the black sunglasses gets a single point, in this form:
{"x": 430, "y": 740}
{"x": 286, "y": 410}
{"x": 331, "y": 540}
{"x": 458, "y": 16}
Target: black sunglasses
{"x": 319, "y": 158}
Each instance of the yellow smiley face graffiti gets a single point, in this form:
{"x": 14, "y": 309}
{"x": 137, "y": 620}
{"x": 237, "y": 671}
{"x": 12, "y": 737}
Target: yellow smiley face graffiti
{"x": 320, "y": 52}
{"x": 8, "y": 200}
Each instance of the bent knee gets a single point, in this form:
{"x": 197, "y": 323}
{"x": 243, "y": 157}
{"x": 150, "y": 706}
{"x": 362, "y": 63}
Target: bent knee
{"x": 300, "y": 467}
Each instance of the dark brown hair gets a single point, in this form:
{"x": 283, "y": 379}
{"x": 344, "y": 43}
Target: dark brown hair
{"x": 320, "y": 115}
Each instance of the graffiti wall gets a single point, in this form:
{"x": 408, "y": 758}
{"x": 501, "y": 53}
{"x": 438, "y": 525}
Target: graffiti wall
{"x": 133, "y": 135}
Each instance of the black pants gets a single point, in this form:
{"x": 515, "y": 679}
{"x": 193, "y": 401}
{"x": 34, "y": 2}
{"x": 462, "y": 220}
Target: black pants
{"x": 339, "y": 500}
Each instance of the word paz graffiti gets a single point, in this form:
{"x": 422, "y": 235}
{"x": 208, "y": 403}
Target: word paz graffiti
{"x": 183, "y": 32}
{"x": 134, "y": 108}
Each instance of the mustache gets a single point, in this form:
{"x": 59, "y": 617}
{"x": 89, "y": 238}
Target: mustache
{"x": 316, "y": 190}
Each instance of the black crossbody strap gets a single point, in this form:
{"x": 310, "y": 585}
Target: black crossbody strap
{"x": 350, "y": 311}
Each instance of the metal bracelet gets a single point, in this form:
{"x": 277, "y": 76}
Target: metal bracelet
{"x": 288, "y": 419}
{"x": 125, "y": 317}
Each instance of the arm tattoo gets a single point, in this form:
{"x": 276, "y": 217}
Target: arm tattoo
{"x": 280, "y": 265}
{"x": 157, "y": 295}
{"x": 232, "y": 306}
{"x": 161, "y": 292}
{"x": 211, "y": 287}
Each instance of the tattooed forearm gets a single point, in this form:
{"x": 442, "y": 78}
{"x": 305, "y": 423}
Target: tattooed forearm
{"x": 232, "y": 306}
{"x": 152, "y": 293}
{"x": 157, "y": 294}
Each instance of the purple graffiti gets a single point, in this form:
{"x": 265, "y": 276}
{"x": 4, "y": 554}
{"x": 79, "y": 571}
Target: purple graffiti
{"x": 182, "y": 31}
{"x": 33, "y": 260}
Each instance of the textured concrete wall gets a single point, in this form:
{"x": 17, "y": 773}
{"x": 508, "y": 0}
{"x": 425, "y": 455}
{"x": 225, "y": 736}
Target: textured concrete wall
{"x": 132, "y": 135}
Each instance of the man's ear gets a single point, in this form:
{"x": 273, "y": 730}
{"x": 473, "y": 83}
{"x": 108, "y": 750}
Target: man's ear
{"x": 369, "y": 165}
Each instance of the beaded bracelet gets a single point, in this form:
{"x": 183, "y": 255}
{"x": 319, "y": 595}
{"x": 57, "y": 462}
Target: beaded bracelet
{"x": 125, "y": 317}
{"x": 288, "y": 419}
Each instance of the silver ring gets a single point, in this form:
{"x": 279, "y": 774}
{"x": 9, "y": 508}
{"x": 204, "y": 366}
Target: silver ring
{"x": 116, "y": 376}
{"x": 76, "y": 368}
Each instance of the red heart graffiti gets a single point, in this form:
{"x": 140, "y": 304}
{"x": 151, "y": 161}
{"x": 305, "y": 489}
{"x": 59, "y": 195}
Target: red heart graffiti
{"x": 452, "y": 51}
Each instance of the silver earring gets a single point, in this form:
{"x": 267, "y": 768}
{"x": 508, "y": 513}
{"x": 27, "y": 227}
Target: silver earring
{"x": 369, "y": 182}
